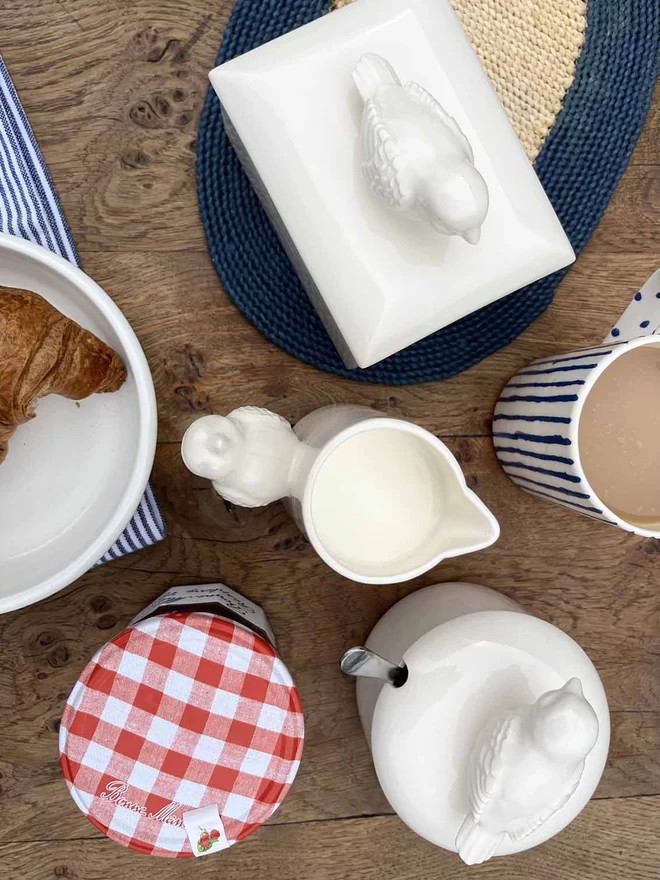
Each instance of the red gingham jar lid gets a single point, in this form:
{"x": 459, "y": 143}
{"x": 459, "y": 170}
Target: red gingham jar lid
{"x": 181, "y": 711}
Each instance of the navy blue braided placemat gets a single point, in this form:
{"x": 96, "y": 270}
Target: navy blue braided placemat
{"x": 579, "y": 165}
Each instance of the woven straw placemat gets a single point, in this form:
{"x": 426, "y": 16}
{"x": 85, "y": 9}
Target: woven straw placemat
{"x": 529, "y": 49}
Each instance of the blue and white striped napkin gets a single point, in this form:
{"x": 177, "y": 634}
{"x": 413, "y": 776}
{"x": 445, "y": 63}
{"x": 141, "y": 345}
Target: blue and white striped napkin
{"x": 29, "y": 208}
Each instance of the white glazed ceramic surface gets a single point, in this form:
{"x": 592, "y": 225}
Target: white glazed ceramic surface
{"x": 525, "y": 765}
{"x": 537, "y": 417}
{"x": 415, "y": 158}
{"x": 253, "y": 457}
{"x": 74, "y": 475}
{"x": 470, "y": 655}
{"x": 247, "y": 455}
{"x": 411, "y": 618}
{"x": 307, "y": 170}
{"x": 466, "y": 525}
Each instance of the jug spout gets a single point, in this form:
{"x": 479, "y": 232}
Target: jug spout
{"x": 471, "y": 525}
{"x": 248, "y": 455}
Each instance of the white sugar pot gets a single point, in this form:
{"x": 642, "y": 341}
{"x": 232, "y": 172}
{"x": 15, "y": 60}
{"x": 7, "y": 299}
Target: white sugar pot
{"x": 381, "y": 500}
{"x": 488, "y": 727}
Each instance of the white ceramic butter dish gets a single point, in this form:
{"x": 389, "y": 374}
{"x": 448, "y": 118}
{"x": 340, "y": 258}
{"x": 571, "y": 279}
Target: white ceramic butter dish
{"x": 379, "y": 278}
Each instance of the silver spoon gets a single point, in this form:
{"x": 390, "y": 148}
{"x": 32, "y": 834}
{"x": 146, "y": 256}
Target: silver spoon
{"x": 361, "y": 661}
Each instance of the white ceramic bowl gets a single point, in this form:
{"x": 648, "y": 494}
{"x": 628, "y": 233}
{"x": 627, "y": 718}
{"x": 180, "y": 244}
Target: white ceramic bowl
{"x": 74, "y": 475}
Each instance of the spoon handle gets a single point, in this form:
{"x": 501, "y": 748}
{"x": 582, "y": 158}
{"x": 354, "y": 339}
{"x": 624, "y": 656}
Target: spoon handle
{"x": 361, "y": 661}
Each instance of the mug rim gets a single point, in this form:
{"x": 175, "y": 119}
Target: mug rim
{"x": 622, "y": 347}
{"x": 379, "y": 422}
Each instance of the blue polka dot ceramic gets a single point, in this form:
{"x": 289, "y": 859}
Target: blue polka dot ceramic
{"x": 642, "y": 317}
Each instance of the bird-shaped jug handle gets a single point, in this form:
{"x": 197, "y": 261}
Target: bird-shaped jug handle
{"x": 248, "y": 455}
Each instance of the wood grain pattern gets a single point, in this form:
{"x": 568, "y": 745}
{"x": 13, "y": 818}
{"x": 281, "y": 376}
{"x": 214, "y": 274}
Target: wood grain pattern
{"x": 377, "y": 848}
{"x": 114, "y": 92}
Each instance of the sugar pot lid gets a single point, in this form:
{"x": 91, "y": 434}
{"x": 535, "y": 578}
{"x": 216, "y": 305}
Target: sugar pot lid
{"x": 478, "y": 679}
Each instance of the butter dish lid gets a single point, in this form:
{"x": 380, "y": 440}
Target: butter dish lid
{"x": 182, "y": 735}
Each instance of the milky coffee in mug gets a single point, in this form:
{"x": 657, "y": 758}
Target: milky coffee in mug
{"x": 583, "y": 428}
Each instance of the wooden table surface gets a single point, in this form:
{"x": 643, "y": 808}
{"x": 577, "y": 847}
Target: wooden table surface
{"x": 113, "y": 89}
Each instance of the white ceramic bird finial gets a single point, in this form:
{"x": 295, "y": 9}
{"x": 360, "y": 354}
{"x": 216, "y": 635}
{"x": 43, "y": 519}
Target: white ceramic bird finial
{"x": 524, "y": 766}
{"x": 414, "y": 155}
{"x": 248, "y": 454}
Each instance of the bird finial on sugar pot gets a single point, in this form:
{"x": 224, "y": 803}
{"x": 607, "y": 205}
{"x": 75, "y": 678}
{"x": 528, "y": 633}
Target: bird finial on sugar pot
{"x": 524, "y": 766}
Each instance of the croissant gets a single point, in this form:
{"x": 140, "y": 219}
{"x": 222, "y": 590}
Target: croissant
{"x": 43, "y": 352}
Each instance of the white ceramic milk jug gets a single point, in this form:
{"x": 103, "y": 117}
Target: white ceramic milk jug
{"x": 381, "y": 500}
{"x": 488, "y": 727}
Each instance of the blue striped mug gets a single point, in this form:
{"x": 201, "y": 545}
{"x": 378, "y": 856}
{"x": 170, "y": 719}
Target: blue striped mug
{"x": 537, "y": 417}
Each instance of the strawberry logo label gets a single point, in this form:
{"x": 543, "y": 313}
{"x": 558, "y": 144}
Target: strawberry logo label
{"x": 205, "y": 830}
{"x": 207, "y": 839}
